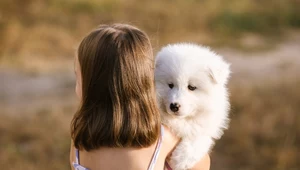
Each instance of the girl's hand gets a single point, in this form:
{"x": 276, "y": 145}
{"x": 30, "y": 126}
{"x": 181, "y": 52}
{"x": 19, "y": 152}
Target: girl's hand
{"x": 203, "y": 164}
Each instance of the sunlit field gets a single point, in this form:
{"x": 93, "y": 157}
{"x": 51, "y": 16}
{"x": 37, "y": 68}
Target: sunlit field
{"x": 259, "y": 38}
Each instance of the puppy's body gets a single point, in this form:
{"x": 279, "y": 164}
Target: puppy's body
{"x": 191, "y": 87}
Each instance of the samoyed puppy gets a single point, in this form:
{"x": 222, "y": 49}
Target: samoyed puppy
{"x": 191, "y": 88}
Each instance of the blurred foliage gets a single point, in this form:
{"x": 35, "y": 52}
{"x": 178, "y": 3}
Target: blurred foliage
{"x": 256, "y": 16}
{"x": 53, "y": 27}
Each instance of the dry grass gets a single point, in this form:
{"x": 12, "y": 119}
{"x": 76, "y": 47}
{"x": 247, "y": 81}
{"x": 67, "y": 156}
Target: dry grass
{"x": 39, "y": 141}
{"x": 264, "y": 133}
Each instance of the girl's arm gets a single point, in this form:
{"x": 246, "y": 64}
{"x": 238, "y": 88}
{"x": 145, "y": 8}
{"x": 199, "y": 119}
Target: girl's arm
{"x": 203, "y": 164}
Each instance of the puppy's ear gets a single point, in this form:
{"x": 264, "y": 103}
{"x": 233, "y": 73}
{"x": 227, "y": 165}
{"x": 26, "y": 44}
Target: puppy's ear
{"x": 219, "y": 72}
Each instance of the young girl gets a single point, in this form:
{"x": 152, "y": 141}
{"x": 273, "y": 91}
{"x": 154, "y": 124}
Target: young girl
{"x": 117, "y": 126}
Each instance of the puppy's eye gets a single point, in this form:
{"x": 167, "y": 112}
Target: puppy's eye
{"x": 171, "y": 85}
{"x": 192, "y": 88}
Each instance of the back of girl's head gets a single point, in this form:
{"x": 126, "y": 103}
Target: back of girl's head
{"x": 118, "y": 107}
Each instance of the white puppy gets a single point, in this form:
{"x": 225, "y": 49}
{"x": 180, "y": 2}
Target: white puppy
{"x": 192, "y": 95}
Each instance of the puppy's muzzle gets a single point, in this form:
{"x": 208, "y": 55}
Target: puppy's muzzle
{"x": 174, "y": 107}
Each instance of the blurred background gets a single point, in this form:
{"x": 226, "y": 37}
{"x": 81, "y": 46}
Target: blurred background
{"x": 260, "y": 38}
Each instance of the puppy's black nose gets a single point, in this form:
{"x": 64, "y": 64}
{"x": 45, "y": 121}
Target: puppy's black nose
{"x": 174, "y": 107}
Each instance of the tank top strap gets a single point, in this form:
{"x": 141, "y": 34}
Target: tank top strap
{"x": 76, "y": 164}
{"x": 76, "y": 156}
{"x": 157, "y": 149}
{"x": 167, "y": 166}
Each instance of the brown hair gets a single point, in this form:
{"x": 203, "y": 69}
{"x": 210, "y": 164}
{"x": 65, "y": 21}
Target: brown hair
{"x": 118, "y": 107}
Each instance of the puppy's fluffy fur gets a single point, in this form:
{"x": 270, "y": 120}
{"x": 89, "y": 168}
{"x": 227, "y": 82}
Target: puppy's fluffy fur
{"x": 192, "y": 95}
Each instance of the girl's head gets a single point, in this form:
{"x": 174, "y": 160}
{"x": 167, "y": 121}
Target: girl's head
{"x": 115, "y": 82}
